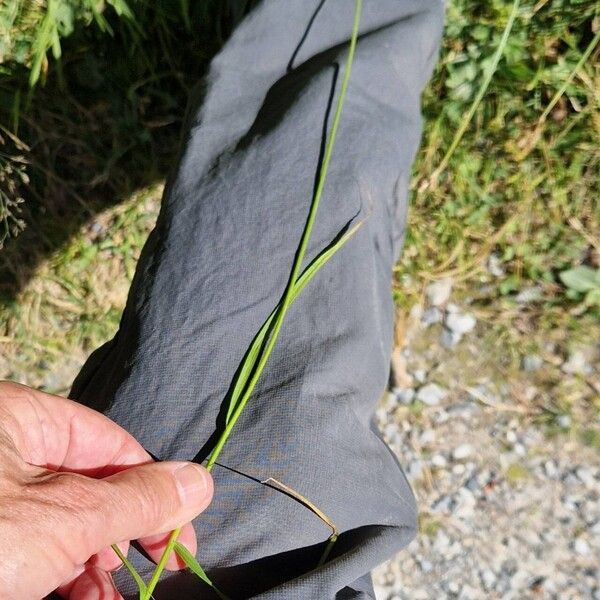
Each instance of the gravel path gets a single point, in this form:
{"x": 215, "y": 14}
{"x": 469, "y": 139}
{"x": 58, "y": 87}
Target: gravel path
{"x": 506, "y": 511}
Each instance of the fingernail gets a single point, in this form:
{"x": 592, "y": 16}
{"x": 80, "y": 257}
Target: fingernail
{"x": 192, "y": 481}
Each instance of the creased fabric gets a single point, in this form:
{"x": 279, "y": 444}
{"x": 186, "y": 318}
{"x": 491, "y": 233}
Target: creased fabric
{"x": 216, "y": 265}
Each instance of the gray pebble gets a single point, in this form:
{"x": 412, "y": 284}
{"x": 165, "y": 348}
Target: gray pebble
{"x": 426, "y": 566}
{"x": 461, "y": 452}
{"x": 414, "y": 469}
{"x": 438, "y": 460}
{"x": 404, "y": 395}
{"x": 519, "y": 449}
{"x": 494, "y": 266}
{"x": 488, "y": 579}
{"x": 438, "y": 292}
{"x": 458, "y": 469}
{"x": 460, "y": 323}
{"x": 431, "y": 315}
{"x": 551, "y": 469}
{"x": 532, "y": 362}
{"x": 581, "y": 547}
{"x": 444, "y": 504}
{"x": 420, "y": 375}
{"x": 431, "y": 394}
{"x": 563, "y": 421}
{"x": 449, "y": 338}
{"x": 577, "y": 364}
{"x": 530, "y": 294}
{"x": 586, "y": 476}
{"x": 427, "y": 437}
{"x": 472, "y": 484}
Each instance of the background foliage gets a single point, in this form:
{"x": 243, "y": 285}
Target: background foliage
{"x": 513, "y": 219}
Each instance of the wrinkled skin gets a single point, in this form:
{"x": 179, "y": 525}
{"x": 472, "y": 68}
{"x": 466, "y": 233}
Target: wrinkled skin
{"x": 72, "y": 483}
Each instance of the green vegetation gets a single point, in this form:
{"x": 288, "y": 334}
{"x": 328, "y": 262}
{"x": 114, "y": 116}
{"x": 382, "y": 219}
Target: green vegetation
{"x": 523, "y": 184}
{"x": 504, "y": 192}
{"x": 89, "y": 146}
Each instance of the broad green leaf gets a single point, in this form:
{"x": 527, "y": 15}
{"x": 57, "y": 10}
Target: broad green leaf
{"x": 592, "y": 298}
{"x": 580, "y": 279}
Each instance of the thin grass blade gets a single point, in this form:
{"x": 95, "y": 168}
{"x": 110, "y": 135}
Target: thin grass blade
{"x": 295, "y": 274}
{"x": 311, "y": 270}
{"x": 193, "y": 565}
{"x": 136, "y": 576}
{"x": 480, "y": 94}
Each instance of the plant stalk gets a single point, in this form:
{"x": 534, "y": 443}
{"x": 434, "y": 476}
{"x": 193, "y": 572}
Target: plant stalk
{"x": 287, "y": 296}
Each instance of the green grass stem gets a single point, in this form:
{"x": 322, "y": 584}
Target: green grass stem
{"x": 466, "y": 121}
{"x": 569, "y": 79}
{"x": 288, "y": 296}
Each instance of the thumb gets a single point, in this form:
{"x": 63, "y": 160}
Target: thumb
{"x": 138, "y": 502}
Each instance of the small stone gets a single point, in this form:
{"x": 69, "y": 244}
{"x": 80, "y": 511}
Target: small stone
{"x": 460, "y": 323}
{"x": 581, "y": 547}
{"x": 441, "y": 543}
{"x": 510, "y": 567}
{"x": 472, "y": 484}
{"x": 431, "y": 315}
{"x": 416, "y": 310}
{"x": 577, "y": 364}
{"x": 563, "y": 421}
{"x": 431, "y": 394}
{"x": 532, "y": 362}
{"x": 586, "y": 476}
{"x": 519, "y": 449}
{"x": 551, "y": 469}
{"x": 390, "y": 432}
{"x": 427, "y": 437}
{"x": 488, "y": 579}
{"x": 458, "y": 469}
{"x": 449, "y": 339}
{"x": 494, "y": 266}
{"x": 462, "y": 410}
{"x": 461, "y": 452}
{"x": 530, "y": 294}
{"x": 404, "y": 395}
{"x": 420, "y": 375}
{"x": 438, "y": 460}
{"x": 426, "y": 567}
{"x": 453, "y": 587}
{"x": 438, "y": 292}
{"x": 452, "y": 308}
{"x": 465, "y": 504}
{"x": 511, "y": 437}
{"x": 468, "y": 593}
{"x": 444, "y": 504}
{"x": 414, "y": 469}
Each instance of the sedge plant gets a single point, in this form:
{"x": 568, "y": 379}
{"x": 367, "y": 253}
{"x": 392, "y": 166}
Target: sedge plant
{"x": 262, "y": 345}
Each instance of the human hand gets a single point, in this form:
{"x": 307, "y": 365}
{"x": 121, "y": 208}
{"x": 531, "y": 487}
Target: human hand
{"x": 72, "y": 483}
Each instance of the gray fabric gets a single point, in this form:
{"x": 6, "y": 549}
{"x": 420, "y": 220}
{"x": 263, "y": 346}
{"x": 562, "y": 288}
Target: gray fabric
{"x": 218, "y": 262}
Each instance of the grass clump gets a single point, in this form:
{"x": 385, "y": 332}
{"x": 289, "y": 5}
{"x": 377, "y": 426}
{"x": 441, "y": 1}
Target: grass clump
{"x": 524, "y": 193}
